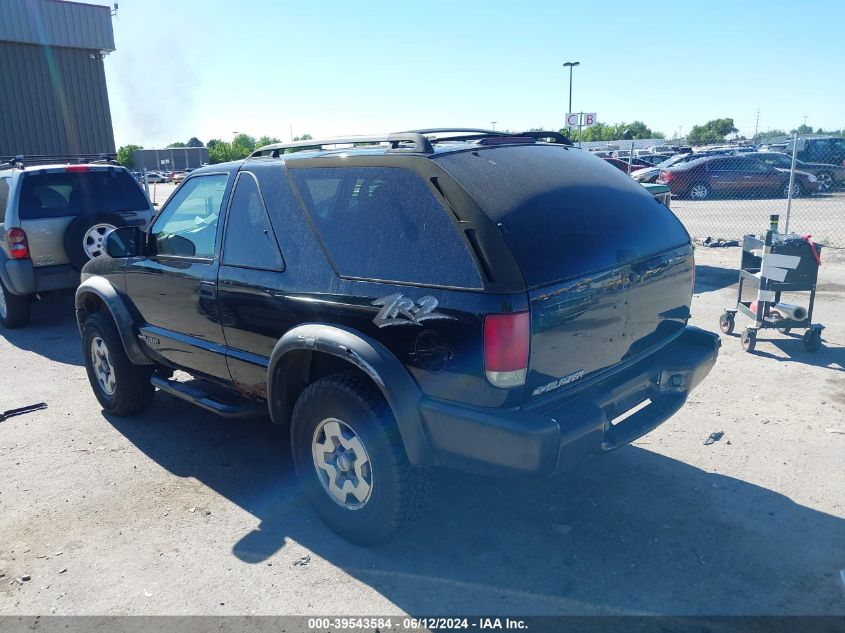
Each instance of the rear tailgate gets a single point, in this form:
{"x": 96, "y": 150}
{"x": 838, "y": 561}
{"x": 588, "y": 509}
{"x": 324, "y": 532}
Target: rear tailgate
{"x": 609, "y": 270}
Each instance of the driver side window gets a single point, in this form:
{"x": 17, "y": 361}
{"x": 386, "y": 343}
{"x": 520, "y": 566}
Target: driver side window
{"x": 187, "y": 227}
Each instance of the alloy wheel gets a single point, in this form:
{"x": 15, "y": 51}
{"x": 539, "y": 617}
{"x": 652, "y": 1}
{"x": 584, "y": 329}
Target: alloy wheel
{"x": 103, "y": 368}
{"x": 342, "y": 464}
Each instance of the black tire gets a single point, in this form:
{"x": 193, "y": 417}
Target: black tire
{"x": 699, "y": 191}
{"x": 14, "y": 309}
{"x": 398, "y": 491}
{"x": 76, "y": 231}
{"x": 727, "y": 323}
{"x": 749, "y": 340}
{"x": 812, "y": 340}
{"x": 784, "y": 330}
{"x": 132, "y": 390}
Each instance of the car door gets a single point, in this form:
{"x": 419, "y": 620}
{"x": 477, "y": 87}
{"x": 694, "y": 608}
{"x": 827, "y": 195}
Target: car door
{"x": 174, "y": 287}
{"x": 251, "y": 281}
{"x": 759, "y": 179}
{"x": 722, "y": 174}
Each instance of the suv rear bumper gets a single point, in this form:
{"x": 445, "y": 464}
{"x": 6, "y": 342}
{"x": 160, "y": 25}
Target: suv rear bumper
{"x": 22, "y": 278}
{"x": 526, "y": 441}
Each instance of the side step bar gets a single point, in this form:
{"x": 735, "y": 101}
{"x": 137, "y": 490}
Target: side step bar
{"x": 195, "y": 395}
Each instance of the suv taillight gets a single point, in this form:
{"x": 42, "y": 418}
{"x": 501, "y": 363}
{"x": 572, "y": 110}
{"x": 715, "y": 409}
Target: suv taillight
{"x": 666, "y": 176}
{"x": 506, "y": 338}
{"x": 18, "y": 246}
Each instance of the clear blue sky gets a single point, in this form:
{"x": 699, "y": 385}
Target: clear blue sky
{"x": 208, "y": 68}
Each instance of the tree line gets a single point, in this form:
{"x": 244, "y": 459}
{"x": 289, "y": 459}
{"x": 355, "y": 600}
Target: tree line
{"x": 219, "y": 151}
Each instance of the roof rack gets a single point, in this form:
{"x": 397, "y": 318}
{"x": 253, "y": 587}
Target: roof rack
{"x": 21, "y": 162}
{"x": 399, "y": 143}
{"x": 473, "y": 134}
{"x": 414, "y": 141}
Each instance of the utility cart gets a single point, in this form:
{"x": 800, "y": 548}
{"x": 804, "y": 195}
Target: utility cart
{"x": 774, "y": 264}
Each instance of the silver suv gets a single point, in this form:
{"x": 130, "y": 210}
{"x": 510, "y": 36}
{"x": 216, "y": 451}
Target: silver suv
{"x": 54, "y": 219}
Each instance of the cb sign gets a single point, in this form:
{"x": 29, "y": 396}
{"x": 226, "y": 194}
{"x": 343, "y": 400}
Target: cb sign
{"x": 580, "y": 119}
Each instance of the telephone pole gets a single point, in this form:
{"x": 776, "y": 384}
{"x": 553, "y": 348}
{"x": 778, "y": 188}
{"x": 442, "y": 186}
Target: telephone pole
{"x": 756, "y": 124}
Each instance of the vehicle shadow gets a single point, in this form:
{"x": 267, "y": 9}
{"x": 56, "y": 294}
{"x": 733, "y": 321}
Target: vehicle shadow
{"x": 710, "y": 278}
{"x": 52, "y": 331}
{"x": 631, "y": 532}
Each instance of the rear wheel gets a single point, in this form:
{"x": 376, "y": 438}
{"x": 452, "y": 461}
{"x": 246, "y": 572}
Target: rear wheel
{"x": 14, "y": 309}
{"x": 825, "y": 181}
{"x": 796, "y": 189}
{"x": 121, "y": 387}
{"x": 700, "y": 191}
{"x": 351, "y": 462}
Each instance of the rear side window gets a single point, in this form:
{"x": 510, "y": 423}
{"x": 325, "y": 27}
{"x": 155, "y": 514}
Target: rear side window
{"x": 4, "y": 198}
{"x": 250, "y": 241}
{"x": 563, "y": 212}
{"x": 384, "y": 223}
{"x": 58, "y": 194}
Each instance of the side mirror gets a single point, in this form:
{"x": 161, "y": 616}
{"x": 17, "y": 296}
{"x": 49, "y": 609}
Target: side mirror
{"x": 126, "y": 241}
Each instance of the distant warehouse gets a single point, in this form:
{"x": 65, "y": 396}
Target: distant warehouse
{"x": 170, "y": 159}
{"x": 52, "y": 78}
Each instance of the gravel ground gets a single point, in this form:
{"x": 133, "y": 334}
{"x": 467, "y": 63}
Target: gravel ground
{"x": 176, "y": 511}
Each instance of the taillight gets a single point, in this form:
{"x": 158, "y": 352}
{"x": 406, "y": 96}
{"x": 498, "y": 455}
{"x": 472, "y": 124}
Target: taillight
{"x": 18, "y": 245}
{"x": 666, "y": 176}
{"x": 73, "y": 168}
{"x": 506, "y": 339}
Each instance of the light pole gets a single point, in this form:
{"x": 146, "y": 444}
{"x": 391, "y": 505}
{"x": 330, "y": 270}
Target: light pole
{"x": 493, "y": 125}
{"x": 571, "y": 66}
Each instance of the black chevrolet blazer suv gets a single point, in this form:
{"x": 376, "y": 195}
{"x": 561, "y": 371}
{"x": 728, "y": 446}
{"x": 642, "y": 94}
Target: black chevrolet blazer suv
{"x": 503, "y": 304}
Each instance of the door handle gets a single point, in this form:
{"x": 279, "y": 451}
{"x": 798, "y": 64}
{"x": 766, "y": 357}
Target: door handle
{"x": 208, "y": 289}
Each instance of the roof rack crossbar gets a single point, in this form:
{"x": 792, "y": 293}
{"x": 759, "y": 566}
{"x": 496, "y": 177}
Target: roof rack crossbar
{"x": 20, "y": 161}
{"x": 402, "y": 142}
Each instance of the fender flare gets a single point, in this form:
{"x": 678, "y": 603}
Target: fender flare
{"x": 107, "y": 293}
{"x": 374, "y": 359}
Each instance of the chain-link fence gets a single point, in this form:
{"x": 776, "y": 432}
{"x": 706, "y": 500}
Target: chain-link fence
{"x": 724, "y": 193}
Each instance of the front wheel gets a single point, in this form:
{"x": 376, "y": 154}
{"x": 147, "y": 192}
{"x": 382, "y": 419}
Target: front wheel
{"x": 121, "y": 386}
{"x": 825, "y": 181}
{"x": 14, "y": 309}
{"x": 351, "y": 462}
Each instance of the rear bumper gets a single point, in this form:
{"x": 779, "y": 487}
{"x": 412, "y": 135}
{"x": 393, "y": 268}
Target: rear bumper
{"x": 531, "y": 441}
{"x": 22, "y": 278}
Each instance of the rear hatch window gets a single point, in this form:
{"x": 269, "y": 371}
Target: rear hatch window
{"x": 63, "y": 193}
{"x": 563, "y": 212}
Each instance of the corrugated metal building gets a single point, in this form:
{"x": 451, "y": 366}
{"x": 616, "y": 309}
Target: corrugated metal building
{"x": 170, "y": 159}
{"x": 52, "y": 80}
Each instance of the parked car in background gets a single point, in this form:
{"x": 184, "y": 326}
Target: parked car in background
{"x": 623, "y": 164}
{"x": 178, "y": 176}
{"x": 54, "y": 218}
{"x": 826, "y": 149}
{"x": 661, "y": 149}
{"x": 830, "y": 177}
{"x": 740, "y": 176}
{"x": 654, "y": 159}
{"x": 154, "y": 177}
{"x": 651, "y": 173}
